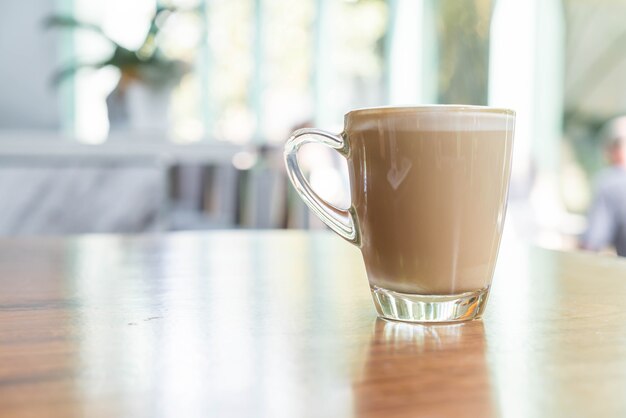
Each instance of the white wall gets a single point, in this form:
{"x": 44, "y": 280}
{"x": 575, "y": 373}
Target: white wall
{"x": 27, "y": 60}
{"x": 595, "y": 76}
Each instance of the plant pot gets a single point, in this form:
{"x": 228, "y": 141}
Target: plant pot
{"x": 140, "y": 108}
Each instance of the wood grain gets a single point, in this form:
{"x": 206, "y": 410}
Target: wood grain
{"x": 280, "y": 324}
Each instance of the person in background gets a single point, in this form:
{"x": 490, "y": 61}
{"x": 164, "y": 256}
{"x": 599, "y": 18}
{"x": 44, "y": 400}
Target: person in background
{"x": 606, "y": 220}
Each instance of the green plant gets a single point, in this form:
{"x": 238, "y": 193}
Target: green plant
{"x": 146, "y": 64}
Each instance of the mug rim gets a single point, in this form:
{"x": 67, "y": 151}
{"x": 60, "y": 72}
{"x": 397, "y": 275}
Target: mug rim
{"x": 436, "y": 108}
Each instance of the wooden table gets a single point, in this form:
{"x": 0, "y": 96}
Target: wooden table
{"x": 280, "y": 324}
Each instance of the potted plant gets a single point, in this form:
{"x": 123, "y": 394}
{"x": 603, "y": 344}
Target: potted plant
{"x": 140, "y": 100}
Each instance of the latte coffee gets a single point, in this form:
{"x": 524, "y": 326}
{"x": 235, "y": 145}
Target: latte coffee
{"x": 429, "y": 188}
{"x": 429, "y": 193}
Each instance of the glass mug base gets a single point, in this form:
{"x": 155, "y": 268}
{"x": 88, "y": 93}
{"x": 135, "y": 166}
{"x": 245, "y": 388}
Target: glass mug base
{"x": 429, "y": 308}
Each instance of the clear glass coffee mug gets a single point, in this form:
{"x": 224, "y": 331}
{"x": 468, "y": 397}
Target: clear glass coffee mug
{"x": 429, "y": 188}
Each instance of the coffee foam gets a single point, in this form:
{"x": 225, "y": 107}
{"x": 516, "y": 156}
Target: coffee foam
{"x": 442, "y": 118}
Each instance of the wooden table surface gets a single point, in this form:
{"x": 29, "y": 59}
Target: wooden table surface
{"x": 281, "y": 324}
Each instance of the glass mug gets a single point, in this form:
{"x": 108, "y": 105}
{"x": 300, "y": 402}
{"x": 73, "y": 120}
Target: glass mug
{"x": 429, "y": 187}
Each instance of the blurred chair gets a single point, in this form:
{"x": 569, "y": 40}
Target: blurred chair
{"x": 263, "y": 191}
{"x": 203, "y": 196}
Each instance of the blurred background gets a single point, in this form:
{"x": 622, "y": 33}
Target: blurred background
{"x": 136, "y": 116}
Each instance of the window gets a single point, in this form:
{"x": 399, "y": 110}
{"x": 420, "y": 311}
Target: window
{"x": 258, "y": 67}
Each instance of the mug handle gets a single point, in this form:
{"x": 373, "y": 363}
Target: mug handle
{"x": 342, "y": 221}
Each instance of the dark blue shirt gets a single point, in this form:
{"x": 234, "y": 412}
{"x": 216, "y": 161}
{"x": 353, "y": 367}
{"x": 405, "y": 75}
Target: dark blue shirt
{"x": 607, "y": 215}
